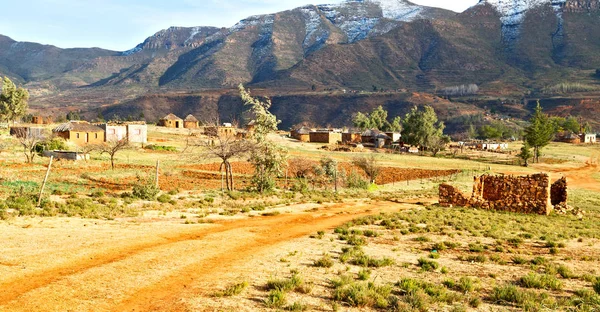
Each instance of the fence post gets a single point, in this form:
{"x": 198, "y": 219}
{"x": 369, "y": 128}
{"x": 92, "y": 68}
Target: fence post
{"x": 45, "y": 179}
{"x": 156, "y": 175}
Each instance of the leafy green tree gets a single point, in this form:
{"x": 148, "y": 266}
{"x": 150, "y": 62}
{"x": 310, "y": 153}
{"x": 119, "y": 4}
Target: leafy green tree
{"x": 525, "y": 153}
{"x": 13, "y": 101}
{"x": 422, "y": 128}
{"x": 377, "y": 119}
{"x": 571, "y": 124}
{"x": 539, "y": 132}
{"x": 267, "y": 157}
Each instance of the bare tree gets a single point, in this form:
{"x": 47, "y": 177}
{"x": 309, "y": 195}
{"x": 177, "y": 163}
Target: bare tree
{"x": 28, "y": 139}
{"x": 369, "y": 165}
{"x": 112, "y": 147}
{"x": 225, "y": 147}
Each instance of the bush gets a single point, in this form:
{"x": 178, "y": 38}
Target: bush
{"x": 596, "y": 286}
{"x": 276, "y": 299}
{"x": 510, "y": 293}
{"x": 292, "y": 283}
{"x": 324, "y": 262}
{"x": 145, "y": 189}
{"x": 164, "y": 198}
{"x": 428, "y": 265}
{"x": 364, "y": 274}
{"x": 363, "y": 294}
{"x": 355, "y": 180}
{"x": 161, "y": 148}
{"x": 232, "y": 290}
{"x": 540, "y": 281}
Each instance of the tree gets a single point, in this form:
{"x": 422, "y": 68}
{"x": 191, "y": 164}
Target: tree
{"x": 226, "y": 147}
{"x": 377, "y": 119}
{"x": 13, "y": 101}
{"x": 422, "y": 128}
{"x": 112, "y": 147}
{"x": 267, "y": 157}
{"x": 525, "y": 153}
{"x": 29, "y": 140}
{"x": 539, "y": 132}
{"x": 369, "y": 165}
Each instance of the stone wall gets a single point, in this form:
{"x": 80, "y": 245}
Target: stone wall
{"x": 558, "y": 192}
{"x": 523, "y": 194}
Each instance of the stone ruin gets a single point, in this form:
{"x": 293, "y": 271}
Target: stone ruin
{"x": 522, "y": 194}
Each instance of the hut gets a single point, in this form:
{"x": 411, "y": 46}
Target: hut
{"x": 171, "y": 121}
{"x": 369, "y": 136}
{"x": 80, "y": 132}
{"x": 302, "y": 134}
{"x": 190, "y": 122}
{"x": 37, "y": 120}
{"x": 568, "y": 137}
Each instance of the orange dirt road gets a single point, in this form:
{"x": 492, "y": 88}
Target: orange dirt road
{"x": 158, "y": 269}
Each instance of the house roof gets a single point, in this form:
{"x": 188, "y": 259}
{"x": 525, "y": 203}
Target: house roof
{"x": 370, "y": 132}
{"x": 79, "y": 126}
{"x": 171, "y": 117}
{"x": 191, "y": 118}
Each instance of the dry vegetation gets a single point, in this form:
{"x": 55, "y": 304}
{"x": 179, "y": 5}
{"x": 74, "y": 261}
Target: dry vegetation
{"x": 304, "y": 247}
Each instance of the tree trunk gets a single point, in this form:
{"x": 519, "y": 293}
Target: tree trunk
{"x": 230, "y": 176}
{"x": 112, "y": 162}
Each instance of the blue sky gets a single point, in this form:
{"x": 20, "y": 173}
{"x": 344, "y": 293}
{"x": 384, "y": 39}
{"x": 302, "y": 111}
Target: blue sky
{"x": 122, "y": 24}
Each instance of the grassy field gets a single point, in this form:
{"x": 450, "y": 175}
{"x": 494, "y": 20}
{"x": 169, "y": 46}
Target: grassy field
{"x": 415, "y": 256}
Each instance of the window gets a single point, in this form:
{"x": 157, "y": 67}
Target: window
{"x": 78, "y": 135}
{"x": 96, "y": 135}
{"x": 137, "y": 132}
{"x": 113, "y": 131}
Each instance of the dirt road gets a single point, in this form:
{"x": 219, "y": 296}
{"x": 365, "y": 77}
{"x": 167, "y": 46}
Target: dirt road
{"x": 144, "y": 267}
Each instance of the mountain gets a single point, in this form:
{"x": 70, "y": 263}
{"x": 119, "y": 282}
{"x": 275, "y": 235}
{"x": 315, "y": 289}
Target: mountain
{"x": 509, "y": 48}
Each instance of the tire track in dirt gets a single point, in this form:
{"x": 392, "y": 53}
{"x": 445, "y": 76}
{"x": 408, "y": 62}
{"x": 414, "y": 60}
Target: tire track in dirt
{"x": 164, "y": 294}
{"x": 167, "y": 295}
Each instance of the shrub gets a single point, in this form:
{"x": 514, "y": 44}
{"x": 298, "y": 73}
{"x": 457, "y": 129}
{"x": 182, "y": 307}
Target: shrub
{"x": 364, "y": 274}
{"x": 565, "y": 272}
{"x": 362, "y": 294}
{"x": 367, "y": 261}
{"x": 465, "y": 284}
{"x": 519, "y": 260}
{"x": 478, "y": 258}
{"x": 161, "y": 148}
{"x": 232, "y": 290}
{"x": 356, "y": 181}
{"x": 164, "y": 198}
{"x": 428, "y": 265}
{"x": 296, "y": 306}
{"x": 324, "y": 262}
{"x": 510, "y": 293}
{"x": 475, "y": 247}
{"x": 291, "y": 283}
{"x": 145, "y": 189}
{"x": 276, "y": 299}
{"x": 596, "y": 286}
{"x": 540, "y": 281}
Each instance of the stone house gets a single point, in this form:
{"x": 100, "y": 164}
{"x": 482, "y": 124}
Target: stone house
{"x": 171, "y": 121}
{"x": 80, "y": 132}
{"x": 190, "y": 122}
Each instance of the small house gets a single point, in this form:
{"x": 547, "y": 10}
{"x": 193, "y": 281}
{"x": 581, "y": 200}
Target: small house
{"x": 80, "y": 132}
{"x": 37, "y": 120}
{"x": 226, "y": 130}
{"x": 351, "y": 137}
{"x": 302, "y": 134}
{"x": 24, "y": 131}
{"x": 190, "y": 122}
{"x": 325, "y": 136}
{"x": 369, "y": 136}
{"x": 568, "y": 137}
{"x": 394, "y": 137}
{"x": 588, "y": 138}
{"x": 171, "y": 121}
{"x": 114, "y": 131}
{"x": 137, "y": 132}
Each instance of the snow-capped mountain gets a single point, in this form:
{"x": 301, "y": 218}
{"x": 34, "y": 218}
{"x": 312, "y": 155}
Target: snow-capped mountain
{"x": 512, "y": 13}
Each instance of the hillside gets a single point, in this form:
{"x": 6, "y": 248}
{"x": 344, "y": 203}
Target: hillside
{"x": 510, "y": 49}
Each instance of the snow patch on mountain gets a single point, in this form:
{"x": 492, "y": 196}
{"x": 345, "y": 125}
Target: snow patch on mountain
{"x": 138, "y": 48}
{"x": 316, "y": 34}
{"x": 193, "y": 32}
{"x": 399, "y": 10}
{"x": 512, "y": 13}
